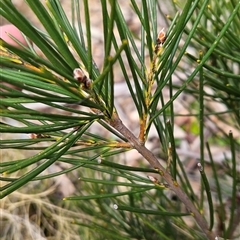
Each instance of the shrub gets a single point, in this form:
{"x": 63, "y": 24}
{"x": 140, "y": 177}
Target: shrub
{"x": 197, "y": 56}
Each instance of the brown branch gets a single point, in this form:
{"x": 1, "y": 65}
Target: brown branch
{"x": 173, "y": 185}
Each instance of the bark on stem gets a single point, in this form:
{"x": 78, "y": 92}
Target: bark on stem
{"x": 173, "y": 185}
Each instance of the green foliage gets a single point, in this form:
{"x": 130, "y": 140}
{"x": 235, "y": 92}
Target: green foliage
{"x": 119, "y": 200}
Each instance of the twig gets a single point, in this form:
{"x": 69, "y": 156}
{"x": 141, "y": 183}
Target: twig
{"x": 173, "y": 185}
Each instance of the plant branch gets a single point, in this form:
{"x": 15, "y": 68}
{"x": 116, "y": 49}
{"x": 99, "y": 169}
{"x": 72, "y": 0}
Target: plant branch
{"x": 173, "y": 185}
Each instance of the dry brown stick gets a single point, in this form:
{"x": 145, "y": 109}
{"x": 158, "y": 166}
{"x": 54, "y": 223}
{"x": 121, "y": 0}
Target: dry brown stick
{"x": 116, "y": 123}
